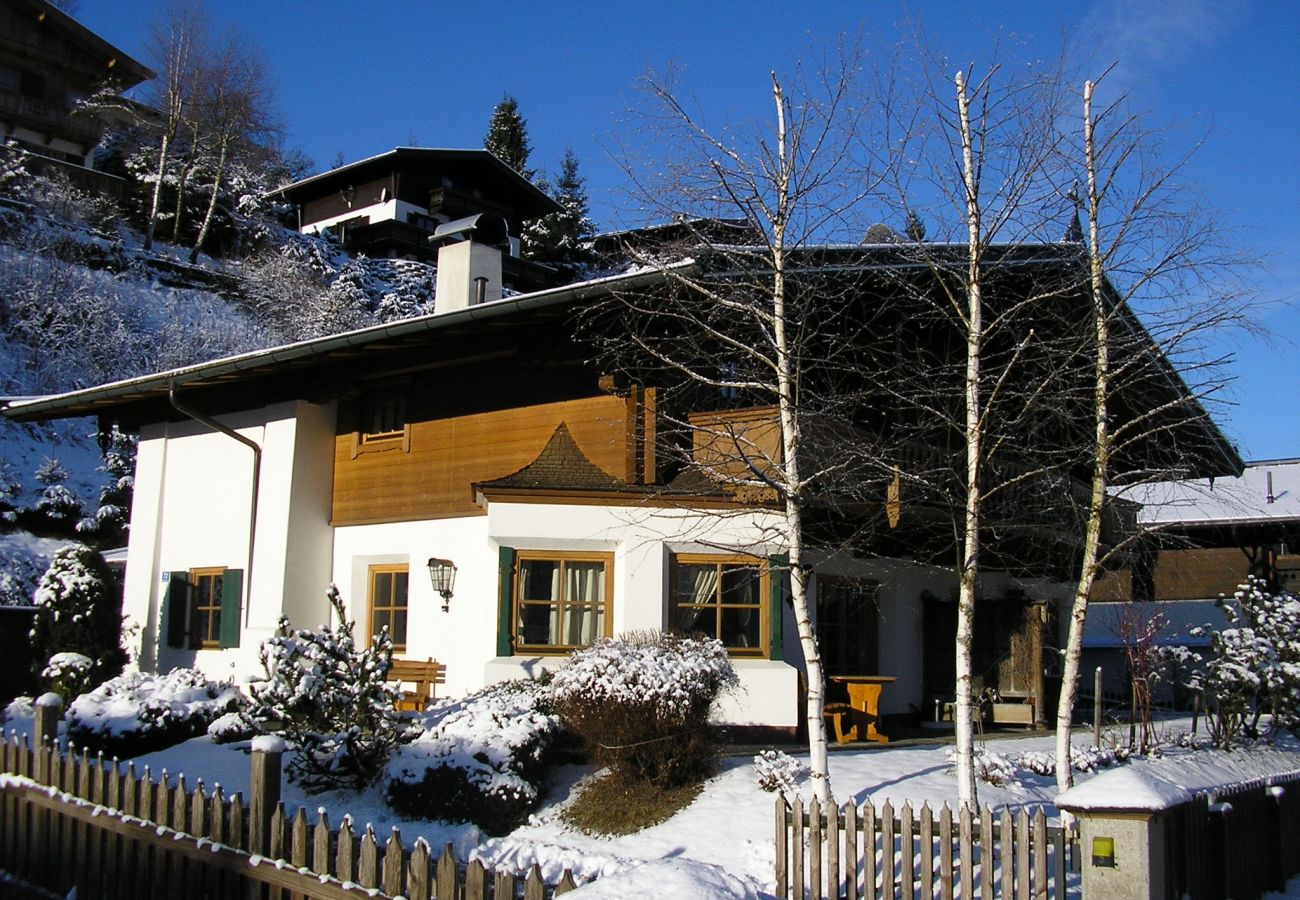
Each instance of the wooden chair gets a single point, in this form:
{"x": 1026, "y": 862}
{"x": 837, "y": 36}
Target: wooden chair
{"x": 423, "y": 675}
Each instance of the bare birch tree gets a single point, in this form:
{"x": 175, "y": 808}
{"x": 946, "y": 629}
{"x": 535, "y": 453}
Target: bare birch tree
{"x": 742, "y": 323}
{"x": 1151, "y": 251}
{"x": 235, "y": 105}
{"x": 177, "y": 46}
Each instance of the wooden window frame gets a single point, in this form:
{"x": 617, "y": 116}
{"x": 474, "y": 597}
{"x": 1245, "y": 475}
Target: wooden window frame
{"x": 373, "y": 442}
{"x": 518, "y": 601}
{"x": 391, "y": 569}
{"x": 204, "y": 614}
{"x": 762, "y": 604}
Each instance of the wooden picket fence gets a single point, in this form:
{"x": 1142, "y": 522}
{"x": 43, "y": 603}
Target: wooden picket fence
{"x": 862, "y": 853}
{"x": 1241, "y": 841}
{"x": 75, "y": 821}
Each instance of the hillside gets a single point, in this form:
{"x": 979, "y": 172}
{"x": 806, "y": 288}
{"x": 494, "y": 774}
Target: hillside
{"x": 82, "y": 303}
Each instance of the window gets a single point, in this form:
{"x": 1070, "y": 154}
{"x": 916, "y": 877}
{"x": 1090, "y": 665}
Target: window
{"x": 848, "y": 629}
{"x": 382, "y": 424}
{"x": 202, "y": 608}
{"x": 725, "y": 597}
{"x": 561, "y": 600}
{"x": 388, "y": 607}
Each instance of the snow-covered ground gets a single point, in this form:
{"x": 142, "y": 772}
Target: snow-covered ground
{"x": 722, "y": 845}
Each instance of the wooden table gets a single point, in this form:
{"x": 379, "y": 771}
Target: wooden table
{"x": 864, "y": 708}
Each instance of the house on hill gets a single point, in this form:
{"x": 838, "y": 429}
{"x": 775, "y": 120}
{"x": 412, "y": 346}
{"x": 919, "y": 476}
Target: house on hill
{"x": 49, "y": 62}
{"x": 489, "y": 438}
{"x": 391, "y": 205}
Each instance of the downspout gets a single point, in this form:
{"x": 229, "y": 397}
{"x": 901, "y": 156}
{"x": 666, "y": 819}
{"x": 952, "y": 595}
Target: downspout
{"x": 257, "y": 473}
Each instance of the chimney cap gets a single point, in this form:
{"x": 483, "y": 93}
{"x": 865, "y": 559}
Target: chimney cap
{"x": 482, "y": 228}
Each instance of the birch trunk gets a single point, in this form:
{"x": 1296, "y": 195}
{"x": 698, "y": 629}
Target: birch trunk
{"x": 212, "y": 201}
{"x": 1100, "y": 467}
{"x": 787, "y": 402}
{"x": 163, "y": 152}
{"x": 968, "y": 575}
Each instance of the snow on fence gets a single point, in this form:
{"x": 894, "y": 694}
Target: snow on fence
{"x": 862, "y": 852}
{"x": 69, "y": 821}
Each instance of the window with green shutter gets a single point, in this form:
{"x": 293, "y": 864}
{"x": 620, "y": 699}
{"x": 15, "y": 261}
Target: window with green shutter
{"x": 203, "y": 608}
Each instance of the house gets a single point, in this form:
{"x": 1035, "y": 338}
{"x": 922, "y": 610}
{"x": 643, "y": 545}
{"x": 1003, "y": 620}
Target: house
{"x": 391, "y": 204}
{"x": 486, "y": 438}
{"x": 48, "y": 64}
{"x": 1205, "y": 536}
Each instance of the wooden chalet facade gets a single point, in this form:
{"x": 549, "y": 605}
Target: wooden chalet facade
{"x": 49, "y": 63}
{"x": 490, "y": 435}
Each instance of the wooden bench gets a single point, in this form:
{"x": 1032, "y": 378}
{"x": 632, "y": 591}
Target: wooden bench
{"x": 424, "y": 675}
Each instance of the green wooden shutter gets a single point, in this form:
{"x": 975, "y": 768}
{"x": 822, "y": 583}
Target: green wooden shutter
{"x": 176, "y": 608}
{"x": 505, "y": 600}
{"x": 232, "y": 606}
{"x": 777, "y": 576}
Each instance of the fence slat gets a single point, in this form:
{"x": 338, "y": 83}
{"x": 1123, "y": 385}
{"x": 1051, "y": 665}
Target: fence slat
{"x": 417, "y": 873}
{"x": 782, "y": 849}
{"x": 1040, "y": 854}
{"x": 534, "y": 887}
{"x": 503, "y": 886}
{"x": 344, "y": 856}
{"x": 565, "y": 884}
{"x": 1007, "y": 858}
{"x": 277, "y": 842}
{"x": 833, "y": 849}
{"x": 394, "y": 855}
{"x": 368, "y": 867}
{"x": 447, "y": 872}
{"x": 796, "y": 848}
{"x": 987, "y": 853}
{"x": 906, "y": 852}
{"x": 851, "y": 852}
{"x": 945, "y": 852}
{"x": 926, "y": 856}
{"x": 1023, "y": 851}
{"x": 869, "y": 856}
{"x": 887, "y": 877}
{"x": 476, "y": 881}
{"x": 815, "y": 845}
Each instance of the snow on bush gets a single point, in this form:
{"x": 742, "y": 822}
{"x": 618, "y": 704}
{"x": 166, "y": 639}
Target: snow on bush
{"x": 1253, "y": 668}
{"x": 68, "y": 674}
{"x": 231, "y": 727}
{"x": 78, "y": 610}
{"x": 479, "y": 758}
{"x": 778, "y": 771}
{"x": 642, "y": 703}
{"x": 138, "y": 713}
{"x": 331, "y": 696}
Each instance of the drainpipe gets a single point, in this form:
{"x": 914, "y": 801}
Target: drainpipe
{"x": 257, "y": 474}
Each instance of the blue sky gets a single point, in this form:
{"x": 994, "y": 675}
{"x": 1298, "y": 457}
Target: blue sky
{"x": 358, "y": 78}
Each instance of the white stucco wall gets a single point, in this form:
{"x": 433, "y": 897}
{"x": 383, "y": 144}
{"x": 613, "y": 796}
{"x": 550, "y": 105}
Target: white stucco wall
{"x": 196, "y": 493}
{"x": 376, "y": 212}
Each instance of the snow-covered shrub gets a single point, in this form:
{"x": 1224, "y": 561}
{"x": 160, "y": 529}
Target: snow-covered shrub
{"x": 1253, "y": 668}
{"x": 477, "y": 759}
{"x": 19, "y": 715}
{"x": 332, "y": 699}
{"x": 231, "y": 727}
{"x": 1082, "y": 759}
{"x": 990, "y": 767}
{"x": 68, "y": 674}
{"x": 78, "y": 610}
{"x": 778, "y": 771}
{"x": 642, "y": 703}
{"x": 138, "y": 713}
{"x": 56, "y": 503}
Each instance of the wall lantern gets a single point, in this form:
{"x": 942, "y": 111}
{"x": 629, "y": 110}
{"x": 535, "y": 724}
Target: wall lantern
{"x": 442, "y": 572}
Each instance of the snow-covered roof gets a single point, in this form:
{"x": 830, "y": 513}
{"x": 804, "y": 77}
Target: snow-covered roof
{"x": 1224, "y": 501}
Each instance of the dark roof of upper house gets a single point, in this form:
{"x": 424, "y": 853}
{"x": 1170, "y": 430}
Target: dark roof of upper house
{"x": 535, "y": 330}
{"x": 478, "y": 170}
{"x": 120, "y": 67}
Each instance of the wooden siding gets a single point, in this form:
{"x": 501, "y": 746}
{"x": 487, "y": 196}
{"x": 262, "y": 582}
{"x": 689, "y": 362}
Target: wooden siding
{"x": 337, "y": 203}
{"x": 448, "y": 456}
{"x": 1196, "y": 574}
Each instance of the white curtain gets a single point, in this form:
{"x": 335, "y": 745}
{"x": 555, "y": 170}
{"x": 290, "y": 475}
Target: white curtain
{"x": 584, "y": 592}
{"x": 704, "y": 592}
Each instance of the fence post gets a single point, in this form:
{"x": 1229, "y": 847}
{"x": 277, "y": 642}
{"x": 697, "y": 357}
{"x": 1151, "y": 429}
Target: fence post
{"x": 49, "y": 710}
{"x": 263, "y": 790}
{"x": 1122, "y": 834}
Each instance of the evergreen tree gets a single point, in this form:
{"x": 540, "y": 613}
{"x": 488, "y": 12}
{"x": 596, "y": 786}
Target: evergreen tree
{"x": 57, "y": 504}
{"x": 78, "y": 610}
{"x": 563, "y": 239}
{"x": 507, "y": 136}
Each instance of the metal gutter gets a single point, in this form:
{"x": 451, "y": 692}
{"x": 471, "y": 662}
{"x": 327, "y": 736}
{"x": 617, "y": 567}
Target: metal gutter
{"x": 257, "y": 477}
